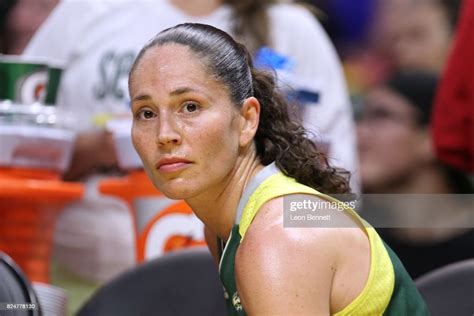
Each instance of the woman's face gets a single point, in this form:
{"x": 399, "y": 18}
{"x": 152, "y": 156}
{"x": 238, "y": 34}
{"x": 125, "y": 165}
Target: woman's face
{"x": 185, "y": 127}
{"x": 421, "y": 37}
{"x": 389, "y": 140}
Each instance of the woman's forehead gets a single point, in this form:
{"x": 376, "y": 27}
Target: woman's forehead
{"x": 171, "y": 56}
{"x": 172, "y": 67}
{"x": 169, "y": 62}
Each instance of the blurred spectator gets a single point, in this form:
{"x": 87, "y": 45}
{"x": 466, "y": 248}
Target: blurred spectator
{"x": 19, "y": 20}
{"x": 394, "y": 144}
{"x": 400, "y": 34}
{"x": 397, "y": 157}
{"x": 98, "y": 40}
{"x": 453, "y": 117}
{"x": 417, "y": 34}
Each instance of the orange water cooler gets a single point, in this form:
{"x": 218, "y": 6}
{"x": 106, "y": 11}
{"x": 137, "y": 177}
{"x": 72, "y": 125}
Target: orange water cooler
{"x": 32, "y": 194}
{"x": 29, "y": 207}
{"x": 35, "y": 148}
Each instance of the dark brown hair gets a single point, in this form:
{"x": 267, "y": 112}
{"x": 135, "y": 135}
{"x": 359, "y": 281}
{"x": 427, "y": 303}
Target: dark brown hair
{"x": 279, "y": 137}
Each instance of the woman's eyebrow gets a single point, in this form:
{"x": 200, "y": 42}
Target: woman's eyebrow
{"x": 182, "y": 90}
{"x": 141, "y": 97}
{"x": 174, "y": 93}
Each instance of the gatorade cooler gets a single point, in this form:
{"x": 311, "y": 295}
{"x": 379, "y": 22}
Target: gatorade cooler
{"x": 28, "y": 213}
{"x": 32, "y": 194}
{"x": 34, "y": 151}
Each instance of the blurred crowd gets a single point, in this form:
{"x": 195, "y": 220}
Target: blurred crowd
{"x": 381, "y": 84}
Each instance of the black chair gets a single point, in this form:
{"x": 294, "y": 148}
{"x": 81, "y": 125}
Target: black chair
{"x": 185, "y": 282}
{"x": 449, "y": 290}
{"x": 16, "y": 288}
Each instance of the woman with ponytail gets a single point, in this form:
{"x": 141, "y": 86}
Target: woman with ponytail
{"x": 214, "y": 131}
{"x": 101, "y": 45}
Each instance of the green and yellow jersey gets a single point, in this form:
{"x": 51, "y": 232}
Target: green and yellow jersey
{"x": 389, "y": 289}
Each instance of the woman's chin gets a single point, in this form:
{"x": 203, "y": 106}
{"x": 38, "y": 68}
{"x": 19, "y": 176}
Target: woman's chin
{"x": 176, "y": 192}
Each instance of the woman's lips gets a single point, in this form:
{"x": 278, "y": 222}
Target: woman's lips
{"x": 172, "y": 167}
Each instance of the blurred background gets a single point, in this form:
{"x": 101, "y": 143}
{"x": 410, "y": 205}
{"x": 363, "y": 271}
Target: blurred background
{"x": 384, "y": 86}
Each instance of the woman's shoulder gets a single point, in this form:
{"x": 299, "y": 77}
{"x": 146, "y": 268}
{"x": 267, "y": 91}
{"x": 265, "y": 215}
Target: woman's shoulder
{"x": 280, "y": 257}
{"x": 284, "y": 209}
{"x": 324, "y": 236}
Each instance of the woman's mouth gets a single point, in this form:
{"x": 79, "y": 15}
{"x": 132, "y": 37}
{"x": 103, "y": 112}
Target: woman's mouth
{"x": 172, "y": 164}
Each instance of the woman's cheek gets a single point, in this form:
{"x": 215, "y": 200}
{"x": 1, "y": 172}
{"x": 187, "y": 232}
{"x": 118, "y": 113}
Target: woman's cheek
{"x": 140, "y": 139}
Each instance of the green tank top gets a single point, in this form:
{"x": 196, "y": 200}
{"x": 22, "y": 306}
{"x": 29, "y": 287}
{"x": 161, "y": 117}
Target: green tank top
{"x": 389, "y": 289}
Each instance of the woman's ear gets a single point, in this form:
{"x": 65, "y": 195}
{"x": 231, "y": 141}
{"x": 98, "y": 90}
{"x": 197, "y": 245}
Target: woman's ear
{"x": 249, "y": 118}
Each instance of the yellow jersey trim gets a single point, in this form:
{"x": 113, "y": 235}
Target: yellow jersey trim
{"x": 377, "y": 292}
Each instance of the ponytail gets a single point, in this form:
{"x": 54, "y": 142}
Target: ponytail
{"x": 281, "y": 139}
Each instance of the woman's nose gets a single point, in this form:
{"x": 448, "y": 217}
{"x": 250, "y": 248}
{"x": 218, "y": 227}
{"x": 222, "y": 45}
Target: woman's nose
{"x": 168, "y": 133}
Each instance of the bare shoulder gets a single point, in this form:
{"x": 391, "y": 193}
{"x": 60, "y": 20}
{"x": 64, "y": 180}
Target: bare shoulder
{"x": 295, "y": 265}
{"x": 328, "y": 240}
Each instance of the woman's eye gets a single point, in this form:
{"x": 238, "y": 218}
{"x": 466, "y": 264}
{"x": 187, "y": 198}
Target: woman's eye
{"x": 146, "y": 115}
{"x": 190, "y": 107}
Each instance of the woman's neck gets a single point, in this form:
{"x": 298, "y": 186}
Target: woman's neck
{"x": 196, "y": 7}
{"x": 217, "y": 207}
